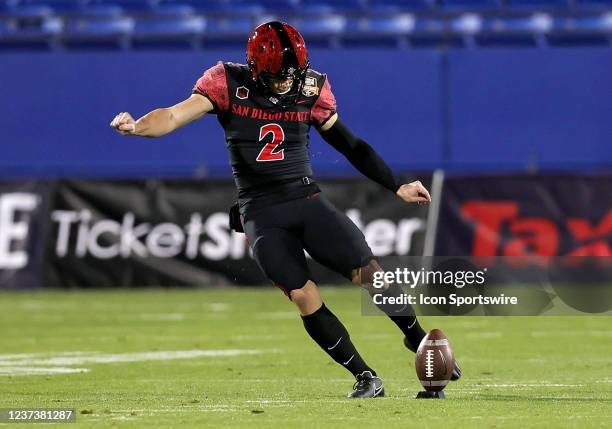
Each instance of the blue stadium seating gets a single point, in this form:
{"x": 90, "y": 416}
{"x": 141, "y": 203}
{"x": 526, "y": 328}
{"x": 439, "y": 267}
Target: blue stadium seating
{"x": 98, "y": 27}
{"x": 28, "y": 11}
{"x": 336, "y": 5}
{"x": 229, "y": 29}
{"x": 62, "y": 6}
{"x": 597, "y": 4}
{"x": 128, "y": 5}
{"x": 389, "y": 6}
{"x": 581, "y": 30}
{"x": 414, "y": 22}
{"x": 523, "y": 30}
{"x": 201, "y": 6}
{"x": 471, "y": 5}
{"x": 169, "y": 26}
{"x": 540, "y": 4}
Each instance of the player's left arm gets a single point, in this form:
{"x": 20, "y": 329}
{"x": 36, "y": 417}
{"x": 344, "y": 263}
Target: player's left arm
{"x": 365, "y": 159}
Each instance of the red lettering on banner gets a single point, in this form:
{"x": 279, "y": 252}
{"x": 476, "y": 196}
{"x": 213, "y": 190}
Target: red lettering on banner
{"x": 582, "y": 230}
{"x": 489, "y": 217}
{"x": 536, "y": 236}
{"x": 533, "y": 240}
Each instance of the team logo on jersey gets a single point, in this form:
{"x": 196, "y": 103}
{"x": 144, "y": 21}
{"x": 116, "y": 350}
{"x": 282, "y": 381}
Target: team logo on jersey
{"x": 309, "y": 91}
{"x": 242, "y": 92}
{"x": 310, "y": 87}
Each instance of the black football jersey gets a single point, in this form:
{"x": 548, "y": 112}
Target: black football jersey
{"x": 267, "y": 145}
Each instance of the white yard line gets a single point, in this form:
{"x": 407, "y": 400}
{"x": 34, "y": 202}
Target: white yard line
{"x": 56, "y": 363}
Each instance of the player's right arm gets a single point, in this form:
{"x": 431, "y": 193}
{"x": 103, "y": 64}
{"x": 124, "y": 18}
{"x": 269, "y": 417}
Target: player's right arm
{"x": 160, "y": 122}
{"x": 210, "y": 94}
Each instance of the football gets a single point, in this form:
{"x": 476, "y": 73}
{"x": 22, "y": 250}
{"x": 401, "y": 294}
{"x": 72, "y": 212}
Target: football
{"x": 434, "y": 361}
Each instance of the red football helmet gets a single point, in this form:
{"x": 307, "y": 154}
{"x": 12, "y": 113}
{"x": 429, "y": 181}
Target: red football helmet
{"x": 276, "y": 50}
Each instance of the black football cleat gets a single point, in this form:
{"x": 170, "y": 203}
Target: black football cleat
{"x": 456, "y": 370}
{"x": 367, "y": 386}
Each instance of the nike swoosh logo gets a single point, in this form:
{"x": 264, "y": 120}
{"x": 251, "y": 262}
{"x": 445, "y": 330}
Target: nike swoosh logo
{"x": 334, "y": 346}
{"x": 377, "y": 391}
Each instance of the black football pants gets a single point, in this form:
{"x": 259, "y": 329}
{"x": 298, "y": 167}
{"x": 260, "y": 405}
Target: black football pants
{"x": 279, "y": 234}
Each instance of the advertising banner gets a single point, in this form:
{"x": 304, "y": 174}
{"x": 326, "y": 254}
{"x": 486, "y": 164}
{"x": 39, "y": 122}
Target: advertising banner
{"x": 176, "y": 232}
{"x": 554, "y": 226}
{"x": 23, "y": 223}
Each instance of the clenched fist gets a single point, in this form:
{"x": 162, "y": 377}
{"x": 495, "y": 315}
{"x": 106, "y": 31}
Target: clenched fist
{"x": 414, "y": 192}
{"x": 124, "y": 124}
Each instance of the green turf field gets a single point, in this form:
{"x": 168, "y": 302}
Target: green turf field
{"x": 240, "y": 358}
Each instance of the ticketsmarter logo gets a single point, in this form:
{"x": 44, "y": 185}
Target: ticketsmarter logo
{"x": 15, "y": 213}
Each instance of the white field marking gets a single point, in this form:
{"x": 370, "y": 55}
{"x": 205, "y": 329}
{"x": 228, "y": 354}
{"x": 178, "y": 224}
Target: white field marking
{"x": 55, "y": 363}
{"x": 125, "y": 357}
{"x": 557, "y": 333}
{"x": 277, "y": 315}
{"x": 483, "y": 335}
{"x": 216, "y": 306}
{"x": 40, "y": 305}
{"x": 543, "y": 384}
{"x": 25, "y": 370}
{"x": 270, "y": 401}
{"x": 378, "y": 336}
{"x": 170, "y": 317}
{"x": 257, "y": 337}
{"x": 472, "y": 324}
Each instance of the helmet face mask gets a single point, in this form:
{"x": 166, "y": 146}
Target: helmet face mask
{"x": 277, "y": 52}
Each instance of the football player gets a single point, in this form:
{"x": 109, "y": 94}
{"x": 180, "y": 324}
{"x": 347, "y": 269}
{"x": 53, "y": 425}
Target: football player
{"x": 267, "y": 108}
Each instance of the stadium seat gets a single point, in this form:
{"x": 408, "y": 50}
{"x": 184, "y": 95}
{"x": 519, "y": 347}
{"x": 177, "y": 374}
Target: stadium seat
{"x": 594, "y": 4}
{"x": 392, "y": 30}
{"x": 133, "y": 6}
{"x": 538, "y": 4}
{"x": 201, "y": 6}
{"x": 581, "y": 30}
{"x": 164, "y": 27}
{"x": 391, "y": 6}
{"x": 270, "y": 6}
{"x": 471, "y": 5}
{"x": 28, "y": 11}
{"x": 173, "y": 10}
{"x": 100, "y": 11}
{"x": 251, "y": 11}
{"x": 328, "y": 25}
{"x": 230, "y": 30}
{"x": 98, "y": 28}
{"x": 466, "y": 25}
{"x": 58, "y": 6}
{"x": 522, "y": 31}
{"x": 392, "y": 25}
{"x": 13, "y": 30}
{"x": 320, "y": 6}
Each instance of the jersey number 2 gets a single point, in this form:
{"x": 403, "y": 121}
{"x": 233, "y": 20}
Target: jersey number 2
{"x": 269, "y": 152}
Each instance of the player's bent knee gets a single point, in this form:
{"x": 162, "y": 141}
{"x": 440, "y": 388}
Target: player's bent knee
{"x": 306, "y": 298}
{"x": 364, "y": 276}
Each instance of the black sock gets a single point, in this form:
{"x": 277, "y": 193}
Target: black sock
{"x": 331, "y": 335}
{"x": 404, "y": 317}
